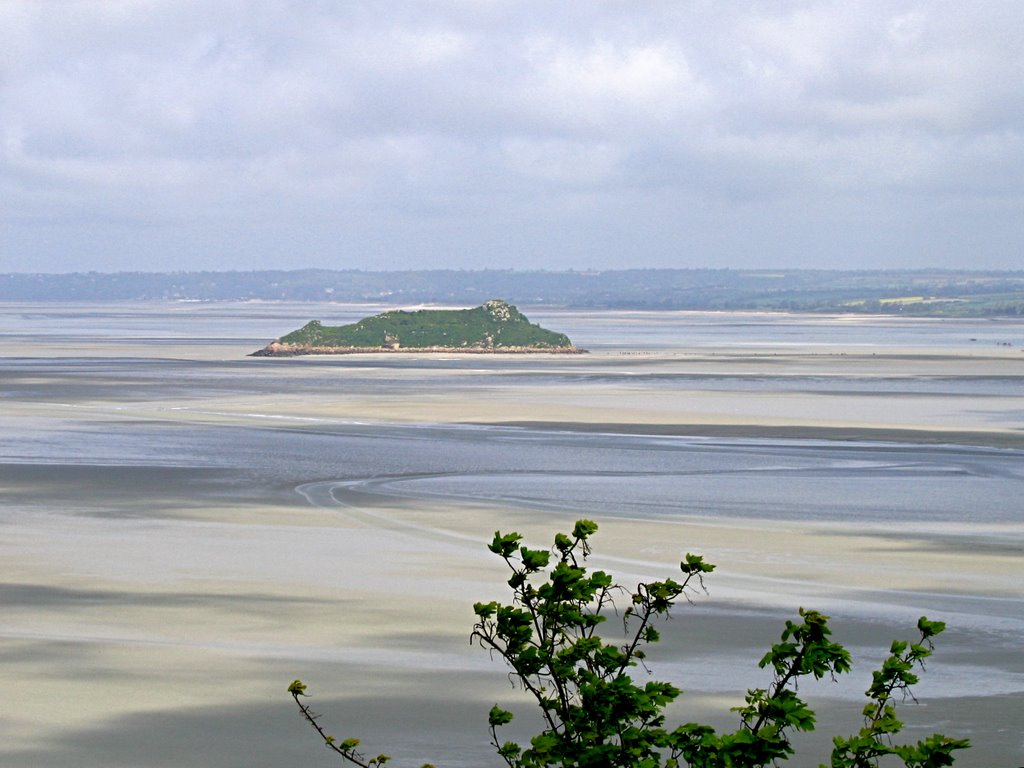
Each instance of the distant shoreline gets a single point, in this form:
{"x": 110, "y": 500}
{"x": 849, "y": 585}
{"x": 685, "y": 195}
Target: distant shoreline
{"x": 935, "y": 293}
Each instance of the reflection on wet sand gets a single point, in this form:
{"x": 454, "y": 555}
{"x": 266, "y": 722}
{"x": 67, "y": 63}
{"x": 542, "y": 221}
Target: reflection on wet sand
{"x": 183, "y": 532}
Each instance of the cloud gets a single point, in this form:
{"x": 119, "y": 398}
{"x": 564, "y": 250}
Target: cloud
{"x": 607, "y": 88}
{"x": 447, "y": 123}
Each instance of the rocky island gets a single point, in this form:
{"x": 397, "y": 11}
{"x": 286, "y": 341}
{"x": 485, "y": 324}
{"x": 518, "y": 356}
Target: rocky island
{"x": 492, "y": 328}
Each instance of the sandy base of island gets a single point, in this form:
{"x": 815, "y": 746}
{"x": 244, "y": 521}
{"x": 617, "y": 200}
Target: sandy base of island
{"x": 166, "y": 634}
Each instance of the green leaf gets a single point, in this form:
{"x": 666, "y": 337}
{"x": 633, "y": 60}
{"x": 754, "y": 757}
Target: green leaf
{"x": 509, "y": 750}
{"x": 534, "y": 559}
{"x": 930, "y": 628}
{"x": 584, "y": 529}
{"x": 499, "y": 716}
{"x": 544, "y": 743}
{"x": 504, "y": 545}
{"x": 695, "y": 564}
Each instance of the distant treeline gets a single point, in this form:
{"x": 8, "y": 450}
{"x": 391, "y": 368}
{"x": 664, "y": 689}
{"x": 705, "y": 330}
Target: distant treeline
{"x": 917, "y": 292}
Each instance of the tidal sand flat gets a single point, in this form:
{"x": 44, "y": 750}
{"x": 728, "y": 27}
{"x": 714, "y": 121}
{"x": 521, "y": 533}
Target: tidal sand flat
{"x": 185, "y": 530}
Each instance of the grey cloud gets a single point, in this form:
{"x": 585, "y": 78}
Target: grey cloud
{"x": 303, "y": 134}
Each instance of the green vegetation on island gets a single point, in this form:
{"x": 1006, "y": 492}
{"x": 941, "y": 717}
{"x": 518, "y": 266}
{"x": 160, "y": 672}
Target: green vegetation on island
{"x": 494, "y": 326}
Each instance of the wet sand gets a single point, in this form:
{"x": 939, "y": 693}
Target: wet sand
{"x": 155, "y": 617}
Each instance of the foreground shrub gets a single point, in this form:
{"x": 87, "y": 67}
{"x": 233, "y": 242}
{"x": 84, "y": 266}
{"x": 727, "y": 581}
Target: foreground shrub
{"x": 596, "y": 713}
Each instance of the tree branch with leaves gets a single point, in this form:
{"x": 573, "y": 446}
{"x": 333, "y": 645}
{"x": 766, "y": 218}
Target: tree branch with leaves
{"x": 594, "y": 710}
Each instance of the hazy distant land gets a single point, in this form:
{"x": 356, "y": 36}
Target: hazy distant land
{"x": 938, "y": 293}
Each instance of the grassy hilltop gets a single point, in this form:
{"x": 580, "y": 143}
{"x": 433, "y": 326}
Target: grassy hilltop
{"x": 492, "y": 327}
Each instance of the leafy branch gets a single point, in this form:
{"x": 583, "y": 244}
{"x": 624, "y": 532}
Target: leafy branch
{"x": 345, "y": 748}
{"x": 595, "y": 713}
{"x": 896, "y": 675}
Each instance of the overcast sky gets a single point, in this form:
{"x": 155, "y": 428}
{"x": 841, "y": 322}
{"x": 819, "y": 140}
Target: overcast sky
{"x": 175, "y": 134}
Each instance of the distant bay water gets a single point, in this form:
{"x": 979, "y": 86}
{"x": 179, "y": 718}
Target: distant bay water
{"x": 261, "y": 322}
{"x": 121, "y": 424}
{"x": 56, "y": 361}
